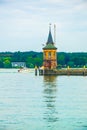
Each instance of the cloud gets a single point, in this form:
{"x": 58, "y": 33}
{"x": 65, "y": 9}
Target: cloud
{"x": 28, "y": 21}
{"x": 81, "y": 6}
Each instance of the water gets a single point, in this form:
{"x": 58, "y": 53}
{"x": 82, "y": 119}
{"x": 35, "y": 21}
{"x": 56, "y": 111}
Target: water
{"x": 29, "y": 102}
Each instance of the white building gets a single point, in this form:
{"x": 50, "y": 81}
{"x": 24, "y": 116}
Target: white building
{"x": 18, "y": 64}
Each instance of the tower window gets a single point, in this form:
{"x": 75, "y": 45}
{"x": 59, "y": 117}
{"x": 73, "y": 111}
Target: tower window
{"x": 54, "y": 53}
{"x": 49, "y": 54}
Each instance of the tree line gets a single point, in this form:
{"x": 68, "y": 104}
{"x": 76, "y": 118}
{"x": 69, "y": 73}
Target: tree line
{"x": 31, "y": 58}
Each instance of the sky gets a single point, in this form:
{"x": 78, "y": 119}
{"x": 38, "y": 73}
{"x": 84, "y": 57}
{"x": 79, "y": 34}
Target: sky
{"x": 24, "y": 24}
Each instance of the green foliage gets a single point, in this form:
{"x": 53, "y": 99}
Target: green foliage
{"x": 61, "y": 59}
{"x": 72, "y": 59}
{"x": 1, "y": 63}
{"x": 30, "y": 62}
{"x": 36, "y": 58}
{"x": 7, "y": 64}
{"x": 59, "y": 66}
{"x": 70, "y": 64}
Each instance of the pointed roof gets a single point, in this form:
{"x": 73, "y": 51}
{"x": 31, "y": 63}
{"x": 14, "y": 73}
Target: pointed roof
{"x": 50, "y": 43}
{"x": 50, "y": 39}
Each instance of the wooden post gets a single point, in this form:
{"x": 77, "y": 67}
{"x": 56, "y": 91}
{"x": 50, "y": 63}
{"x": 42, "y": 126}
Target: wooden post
{"x": 68, "y": 70}
{"x": 84, "y": 70}
{"x": 36, "y": 70}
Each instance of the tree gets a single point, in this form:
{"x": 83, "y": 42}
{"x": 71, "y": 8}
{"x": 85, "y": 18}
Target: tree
{"x": 30, "y": 62}
{"x": 7, "y": 62}
{"x": 61, "y": 59}
{"x": 1, "y": 64}
{"x": 70, "y": 63}
{"x": 38, "y": 61}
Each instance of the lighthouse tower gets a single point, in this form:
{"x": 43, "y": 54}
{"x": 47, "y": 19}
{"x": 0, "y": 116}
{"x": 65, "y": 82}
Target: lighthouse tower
{"x": 50, "y": 53}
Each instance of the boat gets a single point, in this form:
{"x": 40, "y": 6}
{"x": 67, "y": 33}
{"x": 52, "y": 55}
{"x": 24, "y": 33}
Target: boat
{"x": 24, "y": 70}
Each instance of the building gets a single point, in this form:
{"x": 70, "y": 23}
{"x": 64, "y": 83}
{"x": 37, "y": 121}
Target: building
{"x": 50, "y": 53}
{"x": 18, "y": 64}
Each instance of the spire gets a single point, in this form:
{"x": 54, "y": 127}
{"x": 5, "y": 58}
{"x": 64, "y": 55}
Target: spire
{"x": 50, "y": 39}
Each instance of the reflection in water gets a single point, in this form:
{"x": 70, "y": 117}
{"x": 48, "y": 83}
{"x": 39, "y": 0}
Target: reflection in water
{"x": 50, "y": 89}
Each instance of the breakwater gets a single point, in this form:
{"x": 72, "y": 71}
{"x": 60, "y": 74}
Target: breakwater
{"x": 65, "y": 71}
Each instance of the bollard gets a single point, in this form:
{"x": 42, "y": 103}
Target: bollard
{"x": 36, "y": 70}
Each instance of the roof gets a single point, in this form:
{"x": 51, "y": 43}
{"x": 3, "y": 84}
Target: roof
{"x": 50, "y": 43}
{"x": 49, "y": 46}
{"x": 50, "y": 39}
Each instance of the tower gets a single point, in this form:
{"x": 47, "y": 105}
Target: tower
{"x": 49, "y": 53}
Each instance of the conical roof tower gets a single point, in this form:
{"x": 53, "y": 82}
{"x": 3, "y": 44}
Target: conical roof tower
{"x": 49, "y": 43}
{"x": 49, "y": 53}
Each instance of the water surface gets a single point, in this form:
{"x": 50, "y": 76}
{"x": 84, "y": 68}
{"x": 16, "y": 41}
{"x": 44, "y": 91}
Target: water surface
{"x": 29, "y": 102}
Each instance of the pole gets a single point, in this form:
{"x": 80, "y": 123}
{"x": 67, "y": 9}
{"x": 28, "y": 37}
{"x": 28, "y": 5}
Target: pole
{"x": 54, "y": 33}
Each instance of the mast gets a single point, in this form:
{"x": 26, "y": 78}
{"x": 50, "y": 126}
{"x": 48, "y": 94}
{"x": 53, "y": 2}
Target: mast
{"x": 49, "y": 27}
{"x": 54, "y": 33}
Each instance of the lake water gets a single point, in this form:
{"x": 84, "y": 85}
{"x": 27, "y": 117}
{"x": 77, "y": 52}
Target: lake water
{"x": 29, "y": 102}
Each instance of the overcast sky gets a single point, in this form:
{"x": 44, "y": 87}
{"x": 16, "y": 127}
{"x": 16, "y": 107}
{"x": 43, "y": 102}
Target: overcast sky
{"x": 24, "y": 24}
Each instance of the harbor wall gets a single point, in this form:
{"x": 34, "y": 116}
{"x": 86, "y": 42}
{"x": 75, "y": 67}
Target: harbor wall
{"x": 70, "y": 71}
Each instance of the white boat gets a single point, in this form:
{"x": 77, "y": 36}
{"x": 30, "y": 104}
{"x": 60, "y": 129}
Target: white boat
{"x": 24, "y": 70}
